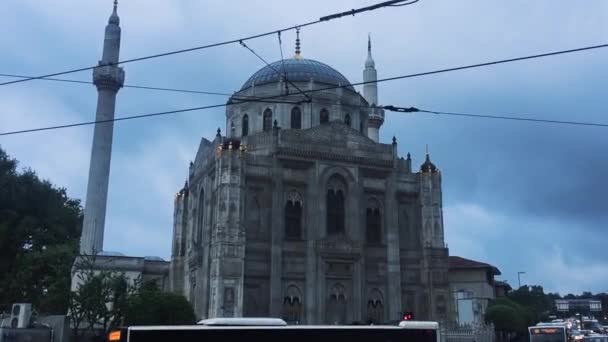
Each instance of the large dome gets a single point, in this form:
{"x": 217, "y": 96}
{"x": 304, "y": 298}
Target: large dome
{"x": 298, "y": 70}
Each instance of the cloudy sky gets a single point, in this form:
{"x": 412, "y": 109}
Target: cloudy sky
{"x": 523, "y": 196}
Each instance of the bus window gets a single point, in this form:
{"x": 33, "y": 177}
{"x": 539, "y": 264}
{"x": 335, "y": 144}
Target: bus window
{"x": 548, "y": 334}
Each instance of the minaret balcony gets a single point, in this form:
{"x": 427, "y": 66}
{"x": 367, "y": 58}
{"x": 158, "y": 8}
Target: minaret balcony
{"x": 109, "y": 76}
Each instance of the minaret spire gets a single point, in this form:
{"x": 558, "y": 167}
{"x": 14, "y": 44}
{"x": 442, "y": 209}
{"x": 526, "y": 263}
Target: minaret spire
{"x": 370, "y": 93}
{"x": 108, "y": 78}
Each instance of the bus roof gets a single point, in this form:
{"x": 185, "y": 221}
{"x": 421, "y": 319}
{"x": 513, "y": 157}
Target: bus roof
{"x": 253, "y": 321}
{"x": 419, "y": 325}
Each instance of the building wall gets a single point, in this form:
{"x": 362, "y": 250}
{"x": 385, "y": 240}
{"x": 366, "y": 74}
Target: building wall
{"x": 239, "y": 262}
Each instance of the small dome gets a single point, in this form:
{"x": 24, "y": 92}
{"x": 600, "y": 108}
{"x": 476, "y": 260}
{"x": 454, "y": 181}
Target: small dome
{"x": 298, "y": 70}
{"x": 428, "y": 166}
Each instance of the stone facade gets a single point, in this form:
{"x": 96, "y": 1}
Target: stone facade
{"x": 313, "y": 222}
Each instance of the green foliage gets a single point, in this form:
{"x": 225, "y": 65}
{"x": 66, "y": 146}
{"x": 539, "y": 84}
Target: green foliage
{"x": 151, "y": 306}
{"x": 101, "y": 297}
{"x": 535, "y": 300}
{"x": 508, "y": 316}
{"x": 39, "y": 236}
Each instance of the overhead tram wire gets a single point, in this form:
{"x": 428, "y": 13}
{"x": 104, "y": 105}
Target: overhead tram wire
{"x": 227, "y": 42}
{"x": 263, "y": 99}
{"x": 132, "y": 86}
{"x": 504, "y": 117}
{"x": 276, "y": 71}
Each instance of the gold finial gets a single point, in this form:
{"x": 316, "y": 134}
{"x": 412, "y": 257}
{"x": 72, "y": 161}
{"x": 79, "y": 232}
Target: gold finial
{"x": 298, "y": 54}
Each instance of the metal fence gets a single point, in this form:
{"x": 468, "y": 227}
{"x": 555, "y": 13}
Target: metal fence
{"x": 483, "y": 333}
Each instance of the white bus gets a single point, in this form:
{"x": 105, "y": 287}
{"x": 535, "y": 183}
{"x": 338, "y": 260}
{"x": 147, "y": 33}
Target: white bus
{"x": 276, "y": 330}
{"x": 548, "y": 333}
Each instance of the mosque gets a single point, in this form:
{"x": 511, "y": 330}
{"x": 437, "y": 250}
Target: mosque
{"x": 298, "y": 210}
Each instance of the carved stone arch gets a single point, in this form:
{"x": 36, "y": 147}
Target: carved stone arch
{"x": 336, "y": 304}
{"x": 375, "y": 307}
{"x": 337, "y": 183}
{"x": 293, "y": 303}
{"x": 345, "y": 173}
{"x": 294, "y": 197}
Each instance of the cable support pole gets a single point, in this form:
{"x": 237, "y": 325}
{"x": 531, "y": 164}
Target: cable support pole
{"x": 212, "y": 45}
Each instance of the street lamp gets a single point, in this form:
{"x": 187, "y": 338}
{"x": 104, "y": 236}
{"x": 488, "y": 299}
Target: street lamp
{"x": 519, "y": 278}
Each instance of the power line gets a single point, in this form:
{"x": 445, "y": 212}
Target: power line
{"x": 504, "y": 117}
{"x": 264, "y": 99}
{"x": 175, "y": 52}
{"x": 275, "y": 70}
{"x": 503, "y": 61}
{"x": 125, "y": 86}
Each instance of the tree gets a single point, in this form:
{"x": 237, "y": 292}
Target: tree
{"x": 39, "y": 235}
{"x": 100, "y": 298}
{"x": 534, "y": 299}
{"x": 151, "y": 306}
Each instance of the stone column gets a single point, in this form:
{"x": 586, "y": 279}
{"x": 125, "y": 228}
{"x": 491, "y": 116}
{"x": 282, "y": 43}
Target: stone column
{"x": 393, "y": 261}
{"x": 276, "y": 236}
{"x": 312, "y": 234}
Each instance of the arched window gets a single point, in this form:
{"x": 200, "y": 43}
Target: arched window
{"x": 375, "y": 307}
{"x": 336, "y": 305}
{"x": 245, "y": 125}
{"x": 267, "y": 120}
{"x": 361, "y": 126}
{"x": 373, "y": 223}
{"x": 292, "y": 305}
{"x": 201, "y": 217}
{"x": 324, "y": 116}
{"x": 347, "y": 120}
{"x": 335, "y": 205}
{"x": 296, "y": 118}
{"x": 293, "y": 216}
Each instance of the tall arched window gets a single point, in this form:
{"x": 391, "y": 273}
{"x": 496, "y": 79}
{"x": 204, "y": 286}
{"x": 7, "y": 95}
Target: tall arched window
{"x": 293, "y": 216}
{"x": 373, "y": 223}
{"x": 292, "y": 305}
{"x": 296, "y": 118}
{"x": 336, "y": 305}
{"x": 375, "y": 307}
{"x": 245, "y": 125}
{"x": 335, "y": 205}
{"x": 324, "y": 116}
{"x": 347, "y": 120}
{"x": 267, "y": 120}
{"x": 201, "y": 217}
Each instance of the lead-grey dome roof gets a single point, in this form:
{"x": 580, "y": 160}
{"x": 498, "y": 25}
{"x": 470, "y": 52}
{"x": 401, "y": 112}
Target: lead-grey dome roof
{"x": 298, "y": 70}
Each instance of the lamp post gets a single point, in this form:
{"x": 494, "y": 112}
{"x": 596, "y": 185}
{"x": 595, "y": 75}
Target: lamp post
{"x": 519, "y": 277}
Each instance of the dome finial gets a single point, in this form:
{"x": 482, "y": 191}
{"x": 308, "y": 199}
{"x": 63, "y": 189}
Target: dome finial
{"x": 369, "y": 42}
{"x": 114, "y": 17}
{"x": 298, "y": 52}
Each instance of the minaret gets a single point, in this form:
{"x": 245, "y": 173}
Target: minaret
{"x": 370, "y": 93}
{"x": 108, "y": 78}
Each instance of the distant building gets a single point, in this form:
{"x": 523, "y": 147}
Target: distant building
{"x": 472, "y": 286}
{"x": 580, "y": 306}
{"x": 501, "y": 288}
